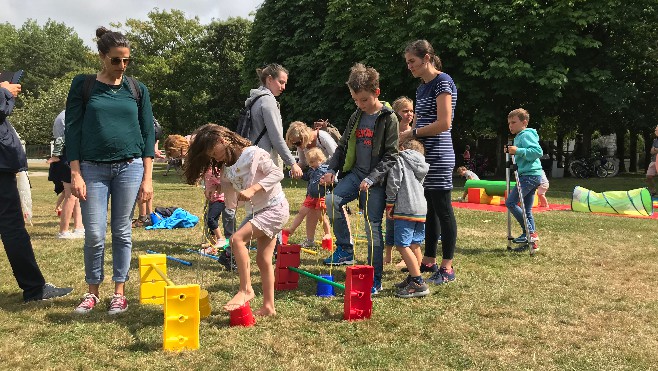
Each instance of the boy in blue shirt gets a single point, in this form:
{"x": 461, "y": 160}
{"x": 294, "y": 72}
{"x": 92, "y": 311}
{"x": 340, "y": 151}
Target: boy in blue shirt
{"x": 526, "y": 151}
{"x": 365, "y": 153}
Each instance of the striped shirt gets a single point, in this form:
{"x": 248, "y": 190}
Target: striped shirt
{"x": 439, "y": 152}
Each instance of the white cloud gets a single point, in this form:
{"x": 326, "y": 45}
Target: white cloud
{"x": 84, "y": 16}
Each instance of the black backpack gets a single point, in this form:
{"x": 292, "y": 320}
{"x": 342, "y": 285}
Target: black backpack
{"x": 89, "y": 86}
{"x": 244, "y": 122}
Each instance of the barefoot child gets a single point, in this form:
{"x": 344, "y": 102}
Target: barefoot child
{"x": 248, "y": 175}
{"x": 314, "y": 201}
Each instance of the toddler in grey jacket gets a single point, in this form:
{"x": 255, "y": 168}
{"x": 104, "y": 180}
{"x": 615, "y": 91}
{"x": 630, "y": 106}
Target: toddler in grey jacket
{"x": 406, "y": 205}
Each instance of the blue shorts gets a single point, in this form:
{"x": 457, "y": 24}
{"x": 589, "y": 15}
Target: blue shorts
{"x": 408, "y": 233}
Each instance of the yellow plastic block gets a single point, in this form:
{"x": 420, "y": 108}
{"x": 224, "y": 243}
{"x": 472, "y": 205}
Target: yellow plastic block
{"x": 497, "y": 200}
{"x": 485, "y": 198}
{"x": 151, "y": 284}
{"x": 204, "y": 304}
{"x": 475, "y": 194}
{"x": 181, "y": 317}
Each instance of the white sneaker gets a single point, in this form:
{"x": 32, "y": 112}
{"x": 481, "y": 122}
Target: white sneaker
{"x": 66, "y": 235}
{"x": 308, "y": 243}
{"x": 79, "y": 232}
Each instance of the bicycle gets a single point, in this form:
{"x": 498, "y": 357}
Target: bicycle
{"x": 585, "y": 168}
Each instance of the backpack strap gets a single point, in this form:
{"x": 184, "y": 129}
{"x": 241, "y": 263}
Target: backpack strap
{"x": 135, "y": 90}
{"x": 260, "y": 136}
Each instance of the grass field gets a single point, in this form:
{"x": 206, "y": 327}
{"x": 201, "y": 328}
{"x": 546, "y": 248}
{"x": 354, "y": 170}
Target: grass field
{"x": 587, "y": 301}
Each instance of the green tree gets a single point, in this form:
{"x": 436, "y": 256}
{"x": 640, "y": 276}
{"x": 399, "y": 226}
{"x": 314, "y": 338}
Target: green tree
{"x": 224, "y": 48}
{"x": 166, "y": 48}
{"x": 34, "y": 121}
{"x": 46, "y": 54}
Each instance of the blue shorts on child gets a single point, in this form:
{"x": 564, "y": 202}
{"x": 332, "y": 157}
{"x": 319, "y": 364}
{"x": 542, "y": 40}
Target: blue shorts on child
{"x": 408, "y": 233}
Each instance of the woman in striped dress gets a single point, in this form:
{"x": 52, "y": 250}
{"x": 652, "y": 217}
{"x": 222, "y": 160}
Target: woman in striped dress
{"x": 436, "y": 99}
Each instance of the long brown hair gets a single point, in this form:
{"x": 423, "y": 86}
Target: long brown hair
{"x": 421, "y": 48}
{"x": 197, "y": 160}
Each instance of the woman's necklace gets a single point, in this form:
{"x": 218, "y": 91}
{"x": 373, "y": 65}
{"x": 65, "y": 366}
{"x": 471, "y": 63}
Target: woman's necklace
{"x": 114, "y": 91}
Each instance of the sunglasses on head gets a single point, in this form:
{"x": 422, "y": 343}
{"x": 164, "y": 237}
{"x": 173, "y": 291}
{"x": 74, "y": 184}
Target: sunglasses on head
{"x": 117, "y": 60}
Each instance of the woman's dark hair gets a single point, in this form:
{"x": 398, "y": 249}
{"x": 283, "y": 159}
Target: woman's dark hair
{"x": 272, "y": 69}
{"x": 204, "y": 139}
{"x": 420, "y": 48}
{"x": 109, "y": 39}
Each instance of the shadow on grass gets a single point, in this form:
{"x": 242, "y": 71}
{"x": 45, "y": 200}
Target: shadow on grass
{"x": 135, "y": 320}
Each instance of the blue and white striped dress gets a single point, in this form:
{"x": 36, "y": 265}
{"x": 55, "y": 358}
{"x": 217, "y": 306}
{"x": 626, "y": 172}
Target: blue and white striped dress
{"x": 439, "y": 153}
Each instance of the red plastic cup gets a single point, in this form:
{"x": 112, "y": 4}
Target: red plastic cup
{"x": 242, "y": 316}
{"x": 284, "y": 236}
{"x": 327, "y": 244}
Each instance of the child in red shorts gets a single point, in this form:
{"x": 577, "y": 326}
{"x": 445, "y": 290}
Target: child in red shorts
{"x": 314, "y": 201}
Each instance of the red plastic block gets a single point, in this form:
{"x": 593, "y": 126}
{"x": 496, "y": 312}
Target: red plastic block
{"x": 285, "y": 234}
{"x": 475, "y": 195}
{"x": 327, "y": 244}
{"x": 358, "y": 283}
{"x": 287, "y": 256}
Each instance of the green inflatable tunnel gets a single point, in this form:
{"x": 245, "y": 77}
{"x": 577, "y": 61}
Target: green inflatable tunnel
{"x": 492, "y": 187}
{"x": 636, "y": 202}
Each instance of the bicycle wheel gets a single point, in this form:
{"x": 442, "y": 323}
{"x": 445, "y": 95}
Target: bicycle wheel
{"x": 610, "y": 168}
{"x": 601, "y": 172}
{"x": 578, "y": 170}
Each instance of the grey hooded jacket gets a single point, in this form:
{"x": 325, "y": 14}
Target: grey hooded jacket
{"x": 265, "y": 113}
{"x": 404, "y": 186}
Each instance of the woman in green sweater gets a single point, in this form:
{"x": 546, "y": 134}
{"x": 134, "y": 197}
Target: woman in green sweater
{"x": 110, "y": 144}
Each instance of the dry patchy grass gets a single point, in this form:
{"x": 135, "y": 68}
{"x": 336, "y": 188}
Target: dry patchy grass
{"x": 587, "y": 301}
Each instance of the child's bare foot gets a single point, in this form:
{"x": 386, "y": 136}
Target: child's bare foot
{"x": 401, "y": 264}
{"x": 240, "y": 299}
{"x": 265, "y": 311}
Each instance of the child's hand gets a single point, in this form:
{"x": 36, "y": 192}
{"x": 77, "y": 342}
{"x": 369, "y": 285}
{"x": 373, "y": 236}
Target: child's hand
{"x": 208, "y": 192}
{"x": 52, "y": 159}
{"x": 511, "y": 150}
{"x": 246, "y": 195}
{"x": 327, "y": 179}
{"x": 389, "y": 213}
{"x": 364, "y": 186}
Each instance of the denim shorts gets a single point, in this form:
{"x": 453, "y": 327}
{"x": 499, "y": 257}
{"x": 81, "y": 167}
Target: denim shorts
{"x": 408, "y": 233}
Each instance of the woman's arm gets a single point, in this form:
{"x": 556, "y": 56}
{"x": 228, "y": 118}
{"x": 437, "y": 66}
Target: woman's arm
{"x": 443, "y": 117}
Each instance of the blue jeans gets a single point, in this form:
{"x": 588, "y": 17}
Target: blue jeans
{"x": 529, "y": 184}
{"x": 118, "y": 183}
{"x": 348, "y": 190}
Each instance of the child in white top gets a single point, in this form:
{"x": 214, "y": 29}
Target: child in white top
{"x": 248, "y": 175}
{"x": 463, "y": 171}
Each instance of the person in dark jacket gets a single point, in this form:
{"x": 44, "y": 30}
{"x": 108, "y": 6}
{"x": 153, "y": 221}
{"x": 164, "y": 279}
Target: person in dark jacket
{"x": 14, "y": 236}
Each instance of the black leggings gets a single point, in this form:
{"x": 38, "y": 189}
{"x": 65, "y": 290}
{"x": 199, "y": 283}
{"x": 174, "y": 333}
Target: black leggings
{"x": 440, "y": 222}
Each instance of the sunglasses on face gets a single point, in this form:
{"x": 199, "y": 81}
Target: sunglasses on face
{"x": 116, "y": 60}
{"x": 297, "y": 143}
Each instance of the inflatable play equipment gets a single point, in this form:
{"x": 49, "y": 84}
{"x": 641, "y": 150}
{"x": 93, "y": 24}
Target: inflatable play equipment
{"x": 491, "y": 192}
{"x": 636, "y": 202}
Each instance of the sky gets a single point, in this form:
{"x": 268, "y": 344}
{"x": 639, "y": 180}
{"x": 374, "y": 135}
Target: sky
{"x": 84, "y": 16}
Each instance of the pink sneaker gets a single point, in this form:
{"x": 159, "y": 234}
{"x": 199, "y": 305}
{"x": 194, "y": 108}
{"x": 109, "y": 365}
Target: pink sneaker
{"x": 88, "y": 303}
{"x": 118, "y": 304}
{"x": 534, "y": 246}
